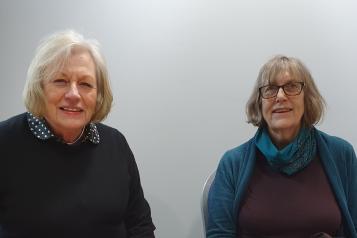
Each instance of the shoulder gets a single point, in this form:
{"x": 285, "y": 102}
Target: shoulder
{"x": 334, "y": 143}
{"x": 238, "y": 152}
{"x": 12, "y": 121}
{"x": 108, "y": 131}
{"x": 234, "y": 158}
{"x": 13, "y": 124}
{"x": 339, "y": 151}
{"x": 111, "y": 136}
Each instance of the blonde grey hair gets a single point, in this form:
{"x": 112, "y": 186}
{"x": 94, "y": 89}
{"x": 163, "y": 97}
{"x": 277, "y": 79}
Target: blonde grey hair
{"x": 314, "y": 104}
{"x": 50, "y": 57}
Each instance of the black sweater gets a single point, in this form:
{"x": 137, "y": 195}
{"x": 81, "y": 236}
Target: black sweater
{"x": 50, "y": 189}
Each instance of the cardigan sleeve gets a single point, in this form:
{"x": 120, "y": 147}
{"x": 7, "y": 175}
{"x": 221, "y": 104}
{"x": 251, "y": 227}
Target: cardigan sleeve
{"x": 352, "y": 193}
{"x": 138, "y": 220}
{"x": 221, "y": 217}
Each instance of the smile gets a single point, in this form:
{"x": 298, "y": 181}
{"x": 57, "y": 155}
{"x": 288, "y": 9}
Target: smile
{"x": 69, "y": 109}
{"x": 282, "y": 110}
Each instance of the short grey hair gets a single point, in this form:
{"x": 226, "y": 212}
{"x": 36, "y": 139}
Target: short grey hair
{"x": 50, "y": 57}
{"x": 313, "y": 101}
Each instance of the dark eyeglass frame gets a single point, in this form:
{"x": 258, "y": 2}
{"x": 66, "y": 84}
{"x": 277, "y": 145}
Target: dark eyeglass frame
{"x": 302, "y": 84}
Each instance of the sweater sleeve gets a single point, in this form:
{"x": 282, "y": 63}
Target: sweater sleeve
{"x": 352, "y": 194}
{"x": 221, "y": 218}
{"x": 138, "y": 220}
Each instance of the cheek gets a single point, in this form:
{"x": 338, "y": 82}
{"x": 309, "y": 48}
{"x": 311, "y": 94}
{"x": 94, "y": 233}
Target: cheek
{"x": 301, "y": 104}
{"x": 302, "y": 110}
{"x": 265, "y": 109}
{"x": 50, "y": 108}
{"x": 50, "y": 102}
{"x": 92, "y": 101}
{"x": 52, "y": 97}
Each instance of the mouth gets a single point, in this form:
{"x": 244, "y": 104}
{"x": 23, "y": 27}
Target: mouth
{"x": 282, "y": 110}
{"x": 71, "y": 109}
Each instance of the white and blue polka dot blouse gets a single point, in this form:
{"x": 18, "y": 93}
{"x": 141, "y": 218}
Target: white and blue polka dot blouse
{"x": 41, "y": 131}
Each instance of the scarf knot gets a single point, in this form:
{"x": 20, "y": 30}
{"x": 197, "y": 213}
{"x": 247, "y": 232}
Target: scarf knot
{"x": 293, "y": 157}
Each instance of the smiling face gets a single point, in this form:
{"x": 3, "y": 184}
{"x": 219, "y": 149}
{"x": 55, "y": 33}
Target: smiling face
{"x": 283, "y": 113}
{"x": 70, "y": 97}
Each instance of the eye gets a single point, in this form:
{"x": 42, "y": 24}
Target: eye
{"x": 271, "y": 89}
{"x": 60, "y": 82}
{"x": 86, "y": 85}
{"x": 292, "y": 86}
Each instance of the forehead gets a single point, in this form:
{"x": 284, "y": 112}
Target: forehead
{"x": 76, "y": 60}
{"x": 80, "y": 58}
{"x": 282, "y": 78}
{"x": 57, "y": 65}
{"x": 282, "y": 74}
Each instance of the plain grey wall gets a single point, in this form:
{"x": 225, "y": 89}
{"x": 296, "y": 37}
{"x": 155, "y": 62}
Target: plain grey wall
{"x": 181, "y": 72}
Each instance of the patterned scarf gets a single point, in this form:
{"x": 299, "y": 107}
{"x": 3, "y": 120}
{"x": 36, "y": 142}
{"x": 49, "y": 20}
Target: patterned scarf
{"x": 293, "y": 157}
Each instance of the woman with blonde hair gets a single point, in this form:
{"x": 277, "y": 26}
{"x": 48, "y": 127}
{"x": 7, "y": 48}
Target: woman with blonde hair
{"x": 63, "y": 173}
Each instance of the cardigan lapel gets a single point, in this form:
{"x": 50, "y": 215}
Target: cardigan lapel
{"x": 333, "y": 175}
{"x": 246, "y": 172}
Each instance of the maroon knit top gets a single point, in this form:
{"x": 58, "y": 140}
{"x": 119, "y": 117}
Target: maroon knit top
{"x": 280, "y": 206}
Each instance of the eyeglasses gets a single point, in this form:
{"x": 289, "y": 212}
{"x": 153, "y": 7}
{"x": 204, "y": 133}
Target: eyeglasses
{"x": 290, "y": 89}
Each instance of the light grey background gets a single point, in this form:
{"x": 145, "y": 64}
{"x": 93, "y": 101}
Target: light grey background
{"x": 181, "y": 72}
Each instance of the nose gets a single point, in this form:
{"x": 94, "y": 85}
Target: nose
{"x": 281, "y": 95}
{"x": 72, "y": 92}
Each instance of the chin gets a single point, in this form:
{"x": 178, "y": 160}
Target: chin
{"x": 284, "y": 126}
{"x": 74, "y": 124}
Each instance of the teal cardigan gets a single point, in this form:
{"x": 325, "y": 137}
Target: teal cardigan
{"x": 237, "y": 165}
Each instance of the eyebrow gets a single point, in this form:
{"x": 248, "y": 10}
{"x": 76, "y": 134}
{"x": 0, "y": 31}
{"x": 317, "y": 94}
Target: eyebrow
{"x": 289, "y": 81}
{"x": 85, "y": 76}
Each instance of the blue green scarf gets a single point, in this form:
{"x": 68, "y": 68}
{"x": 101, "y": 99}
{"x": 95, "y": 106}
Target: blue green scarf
{"x": 293, "y": 157}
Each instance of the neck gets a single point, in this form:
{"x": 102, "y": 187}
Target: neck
{"x": 69, "y": 136}
{"x": 281, "y": 138}
{"x": 72, "y": 138}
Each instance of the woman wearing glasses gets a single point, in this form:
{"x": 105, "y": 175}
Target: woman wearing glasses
{"x": 289, "y": 180}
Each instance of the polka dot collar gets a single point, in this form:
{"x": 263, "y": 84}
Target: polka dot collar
{"x": 41, "y": 131}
